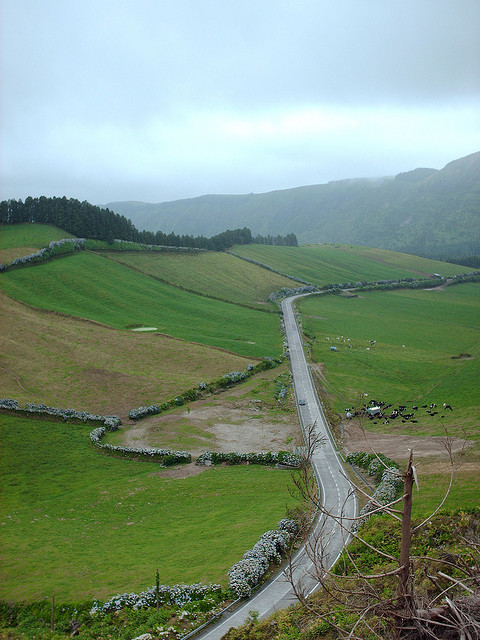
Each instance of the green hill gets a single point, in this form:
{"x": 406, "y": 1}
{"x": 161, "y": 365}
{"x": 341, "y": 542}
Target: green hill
{"x": 434, "y": 213}
{"x": 330, "y": 264}
{"x": 89, "y": 286}
{"x": 210, "y": 273}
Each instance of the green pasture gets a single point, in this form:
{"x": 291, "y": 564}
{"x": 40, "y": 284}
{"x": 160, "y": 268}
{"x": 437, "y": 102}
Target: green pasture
{"x": 77, "y": 524}
{"x": 90, "y": 286}
{"x": 18, "y": 240}
{"x": 210, "y": 273}
{"x": 30, "y": 235}
{"x": 432, "y": 487}
{"x": 418, "y": 335}
{"x": 331, "y": 264}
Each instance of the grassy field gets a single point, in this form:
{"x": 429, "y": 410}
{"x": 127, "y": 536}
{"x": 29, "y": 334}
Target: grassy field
{"x": 18, "y": 240}
{"x": 65, "y": 362}
{"x": 330, "y": 264}
{"x": 417, "y": 335}
{"x": 90, "y": 286}
{"x": 210, "y": 273}
{"x": 78, "y": 524}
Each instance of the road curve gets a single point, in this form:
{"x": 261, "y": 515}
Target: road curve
{"x": 335, "y": 490}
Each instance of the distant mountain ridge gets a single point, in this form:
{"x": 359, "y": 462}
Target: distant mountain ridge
{"x": 429, "y": 212}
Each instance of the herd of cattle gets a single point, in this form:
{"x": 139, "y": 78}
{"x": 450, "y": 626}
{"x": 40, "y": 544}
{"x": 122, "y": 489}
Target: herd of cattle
{"x": 375, "y": 410}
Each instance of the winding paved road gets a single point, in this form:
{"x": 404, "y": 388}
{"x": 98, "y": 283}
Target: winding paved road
{"x": 334, "y": 487}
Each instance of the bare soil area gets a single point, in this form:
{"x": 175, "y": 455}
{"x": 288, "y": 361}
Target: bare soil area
{"x": 397, "y": 447}
{"x": 247, "y": 418}
{"x": 239, "y": 425}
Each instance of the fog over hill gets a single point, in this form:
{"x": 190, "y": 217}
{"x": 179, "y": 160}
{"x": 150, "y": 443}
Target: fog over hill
{"x": 430, "y": 212}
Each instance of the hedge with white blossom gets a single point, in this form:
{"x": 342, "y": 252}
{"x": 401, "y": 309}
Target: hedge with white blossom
{"x": 228, "y": 379}
{"x": 391, "y": 480}
{"x": 165, "y": 457}
{"x": 179, "y": 594}
{"x": 55, "y": 248}
{"x": 249, "y": 571}
{"x": 268, "y": 458}
{"x": 111, "y": 423}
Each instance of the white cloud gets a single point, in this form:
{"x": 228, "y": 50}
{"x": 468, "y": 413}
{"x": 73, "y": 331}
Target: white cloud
{"x": 176, "y": 99}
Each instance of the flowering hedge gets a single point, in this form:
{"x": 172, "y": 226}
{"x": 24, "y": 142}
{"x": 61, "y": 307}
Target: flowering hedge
{"x": 111, "y": 423}
{"x": 108, "y": 423}
{"x": 179, "y": 594}
{"x": 373, "y": 463}
{"x": 247, "y": 573}
{"x": 269, "y": 458}
{"x": 233, "y": 377}
{"x": 166, "y": 457}
{"x": 390, "y": 480}
{"x": 55, "y": 248}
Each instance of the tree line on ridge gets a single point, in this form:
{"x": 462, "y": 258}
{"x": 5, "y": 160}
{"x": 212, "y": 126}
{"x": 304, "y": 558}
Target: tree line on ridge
{"x": 85, "y": 220}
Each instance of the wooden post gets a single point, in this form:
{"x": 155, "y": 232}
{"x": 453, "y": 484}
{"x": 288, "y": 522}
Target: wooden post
{"x": 52, "y": 620}
{"x": 405, "y": 594}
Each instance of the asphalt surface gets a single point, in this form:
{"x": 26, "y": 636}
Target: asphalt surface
{"x": 335, "y": 492}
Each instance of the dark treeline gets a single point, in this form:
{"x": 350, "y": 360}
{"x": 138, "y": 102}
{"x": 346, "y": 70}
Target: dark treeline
{"x": 466, "y": 261}
{"x": 290, "y": 240}
{"x": 85, "y": 220}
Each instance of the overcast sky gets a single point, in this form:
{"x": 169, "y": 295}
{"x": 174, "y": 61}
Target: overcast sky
{"x": 156, "y": 100}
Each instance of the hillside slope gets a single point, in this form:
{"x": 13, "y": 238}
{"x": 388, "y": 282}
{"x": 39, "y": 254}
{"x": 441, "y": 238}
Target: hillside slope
{"x": 425, "y": 211}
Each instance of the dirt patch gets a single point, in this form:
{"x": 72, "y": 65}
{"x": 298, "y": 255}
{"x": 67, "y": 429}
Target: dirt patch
{"x": 223, "y": 427}
{"x": 237, "y": 419}
{"x": 396, "y": 447}
{"x": 180, "y": 472}
{"x": 318, "y": 371}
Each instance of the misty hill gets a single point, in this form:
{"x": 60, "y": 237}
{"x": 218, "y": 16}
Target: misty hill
{"x": 429, "y": 212}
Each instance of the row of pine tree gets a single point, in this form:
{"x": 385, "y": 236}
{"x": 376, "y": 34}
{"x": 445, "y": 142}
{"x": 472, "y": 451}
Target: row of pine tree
{"x": 86, "y": 220}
